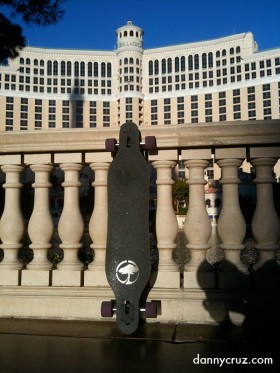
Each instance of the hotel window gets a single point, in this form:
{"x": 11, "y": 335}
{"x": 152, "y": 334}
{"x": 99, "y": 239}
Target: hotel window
{"x": 69, "y": 68}
{"x": 167, "y": 111}
{"x": 196, "y": 62}
{"x": 150, "y": 68}
{"x": 92, "y": 114}
{"x": 208, "y": 105}
{"x": 95, "y": 69}
{"x": 169, "y": 65}
{"x": 163, "y": 66}
{"x": 23, "y": 113}
{"x": 128, "y": 109}
{"x": 106, "y": 114}
{"x": 190, "y": 63}
{"x": 236, "y": 104}
{"x": 9, "y": 113}
{"x": 49, "y": 68}
{"x": 52, "y": 113}
{"x": 89, "y": 68}
{"x": 194, "y": 105}
{"x": 76, "y": 68}
{"x": 62, "y": 68}
{"x": 266, "y": 101}
{"x": 65, "y": 115}
{"x": 154, "y": 116}
{"x": 79, "y": 114}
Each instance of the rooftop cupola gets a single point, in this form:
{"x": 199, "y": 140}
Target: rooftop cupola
{"x": 130, "y": 36}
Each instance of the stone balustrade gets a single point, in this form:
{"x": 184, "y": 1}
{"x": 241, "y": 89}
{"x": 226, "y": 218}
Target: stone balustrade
{"x": 72, "y": 290}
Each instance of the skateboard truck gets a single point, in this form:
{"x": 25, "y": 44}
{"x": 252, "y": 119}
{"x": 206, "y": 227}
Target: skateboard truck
{"x": 108, "y": 309}
{"x": 111, "y": 144}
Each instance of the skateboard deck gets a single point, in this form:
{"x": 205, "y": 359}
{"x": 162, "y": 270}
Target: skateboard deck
{"x": 128, "y": 250}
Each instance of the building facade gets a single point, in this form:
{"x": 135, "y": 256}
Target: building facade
{"x": 225, "y": 79}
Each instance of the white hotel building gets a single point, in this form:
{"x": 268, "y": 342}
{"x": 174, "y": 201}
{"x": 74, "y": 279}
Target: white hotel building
{"x": 220, "y": 80}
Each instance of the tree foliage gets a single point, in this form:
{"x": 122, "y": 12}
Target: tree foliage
{"x": 180, "y": 194}
{"x": 32, "y": 12}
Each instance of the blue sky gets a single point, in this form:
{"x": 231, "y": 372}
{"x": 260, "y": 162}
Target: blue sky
{"x": 91, "y": 24}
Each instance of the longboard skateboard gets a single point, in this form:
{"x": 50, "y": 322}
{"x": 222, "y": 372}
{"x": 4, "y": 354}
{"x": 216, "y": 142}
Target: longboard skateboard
{"x": 128, "y": 248}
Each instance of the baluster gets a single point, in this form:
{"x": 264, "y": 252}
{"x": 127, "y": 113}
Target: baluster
{"x": 70, "y": 228}
{"x": 166, "y": 226}
{"x": 96, "y": 276}
{"x": 40, "y": 228}
{"x": 265, "y": 223}
{"x": 197, "y": 226}
{"x": 231, "y": 224}
{"x": 11, "y": 225}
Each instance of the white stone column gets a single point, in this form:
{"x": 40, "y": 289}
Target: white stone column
{"x": 40, "y": 227}
{"x": 265, "y": 223}
{"x": 71, "y": 225}
{"x": 12, "y": 222}
{"x": 231, "y": 223}
{"x": 166, "y": 226}
{"x": 197, "y": 226}
{"x": 197, "y": 223}
{"x": 95, "y": 276}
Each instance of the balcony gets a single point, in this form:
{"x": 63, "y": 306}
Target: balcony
{"x": 201, "y": 289}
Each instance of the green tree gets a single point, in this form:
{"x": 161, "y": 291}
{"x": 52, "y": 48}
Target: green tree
{"x": 32, "y": 12}
{"x": 180, "y": 195}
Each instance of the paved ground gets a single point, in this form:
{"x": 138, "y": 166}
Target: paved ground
{"x": 81, "y": 346}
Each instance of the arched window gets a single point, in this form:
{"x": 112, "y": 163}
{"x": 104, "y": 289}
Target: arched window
{"x": 103, "y": 69}
{"x": 82, "y": 69}
{"x": 131, "y": 33}
{"x": 218, "y": 54}
{"x": 69, "y": 68}
{"x": 183, "y": 63}
{"x": 62, "y": 68}
{"x": 95, "y": 69}
{"x": 169, "y": 65}
{"x": 150, "y": 67}
{"x": 89, "y": 68}
{"x": 125, "y": 33}
{"x": 196, "y": 61}
{"x": 76, "y": 68}
{"x": 163, "y": 66}
{"x": 35, "y": 62}
{"x": 204, "y": 61}
{"x": 208, "y": 202}
{"x": 120, "y": 35}
{"x": 21, "y": 60}
{"x": 190, "y": 62}
{"x": 210, "y": 59}
{"x": 131, "y": 60}
{"x": 55, "y": 68}
{"x": 177, "y": 65}
{"x": 125, "y": 61}
{"x": 109, "y": 70}
{"x": 49, "y": 68}
{"x": 238, "y": 49}
{"x": 156, "y": 67}
{"x": 224, "y": 52}
{"x": 137, "y": 61}
{"x": 136, "y": 34}
{"x": 27, "y": 61}
{"x": 231, "y": 51}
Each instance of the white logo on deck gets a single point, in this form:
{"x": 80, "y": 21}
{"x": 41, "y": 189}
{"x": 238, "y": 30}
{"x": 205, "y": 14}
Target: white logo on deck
{"x": 127, "y": 272}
